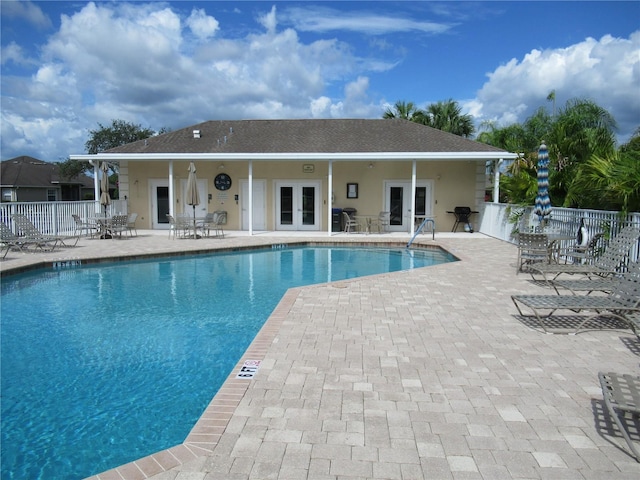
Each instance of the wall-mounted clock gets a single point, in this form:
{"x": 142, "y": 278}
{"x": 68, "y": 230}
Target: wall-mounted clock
{"x": 222, "y": 181}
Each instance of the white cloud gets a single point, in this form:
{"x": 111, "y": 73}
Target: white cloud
{"x": 135, "y": 62}
{"x": 269, "y": 21}
{"x": 14, "y": 53}
{"x": 322, "y": 19}
{"x": 202, "y": 25}
{"x": 26, "y": 11}
{"x": 606, "y": 71}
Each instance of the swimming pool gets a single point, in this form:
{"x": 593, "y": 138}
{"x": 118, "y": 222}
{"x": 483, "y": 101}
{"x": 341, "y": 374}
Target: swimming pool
{"x": 103, "y": 365}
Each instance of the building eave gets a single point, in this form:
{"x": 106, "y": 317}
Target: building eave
{"x": 283, "y": 157}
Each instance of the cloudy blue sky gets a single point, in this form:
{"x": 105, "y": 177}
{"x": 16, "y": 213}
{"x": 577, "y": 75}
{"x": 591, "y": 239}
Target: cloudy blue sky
{"x": 68, "y": 66}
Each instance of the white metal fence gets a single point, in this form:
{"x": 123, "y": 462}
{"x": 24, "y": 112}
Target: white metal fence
{"x": 54, "y": 218}
{"x": 503, "y": 221}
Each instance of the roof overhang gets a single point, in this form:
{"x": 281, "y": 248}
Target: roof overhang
{"x": 283, "y": 157}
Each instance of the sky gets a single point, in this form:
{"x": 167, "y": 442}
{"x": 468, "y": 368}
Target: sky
{"x": 68, "y": 67}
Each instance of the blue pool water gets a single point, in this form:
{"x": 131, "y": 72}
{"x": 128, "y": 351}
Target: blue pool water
{"x": 103, "y": 365}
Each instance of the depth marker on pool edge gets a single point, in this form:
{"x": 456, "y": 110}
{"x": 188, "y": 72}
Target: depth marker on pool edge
{"x": 249, "y": 369}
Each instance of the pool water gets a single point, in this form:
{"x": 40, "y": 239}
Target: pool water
{"x": 102, "y": 365}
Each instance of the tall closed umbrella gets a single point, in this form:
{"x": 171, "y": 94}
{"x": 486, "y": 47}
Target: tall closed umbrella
{"x": 193, "y": 197}
{"x": 105, "y": 198}
{"x": 543, "y": 203}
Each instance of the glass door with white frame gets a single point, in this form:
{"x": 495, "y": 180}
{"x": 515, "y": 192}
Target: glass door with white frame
{"x": 297, "y": 205}
{"x": 398, "y": 203}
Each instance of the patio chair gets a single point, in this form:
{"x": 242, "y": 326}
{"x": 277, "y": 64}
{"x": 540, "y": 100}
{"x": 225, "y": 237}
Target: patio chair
{"x": 213, "y": 221}
{"x": 350, "y": 224}
{"x": 179, "y": 229}
{"x": 532, "y": 248}
{"x": 582, "y": 254}
{"x": 81, "y": 226}
{"x": 118, "y": 224}
{"x": 28, "y": 230}
{"x": 382, "y": 222}
{"x": 621, "y": 394}
{"x": 131, "y": 224}
{"x": 612, "y": 260}
{"x": 621, "y": 303}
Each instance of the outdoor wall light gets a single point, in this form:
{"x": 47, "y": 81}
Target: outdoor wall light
{"x": 221, "y": 166}
{"x": 370, "y": 165}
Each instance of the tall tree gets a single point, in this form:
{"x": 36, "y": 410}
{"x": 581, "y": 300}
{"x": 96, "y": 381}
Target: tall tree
{"x": 119, "y": 133}
{"x": 579, "y": 131}
{"x": 405, "y": 111}
{"x": 447, "y": 116}
{"x": 104, "y": 138}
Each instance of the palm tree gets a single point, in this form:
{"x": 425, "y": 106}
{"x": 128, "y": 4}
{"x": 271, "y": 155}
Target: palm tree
{"x": 404, "y": 110}
{"x": 447, "y": 116}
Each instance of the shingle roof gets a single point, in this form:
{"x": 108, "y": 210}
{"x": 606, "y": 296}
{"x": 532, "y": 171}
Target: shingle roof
{"x": 306, "y": 136}
{"x": 27, "y": 171}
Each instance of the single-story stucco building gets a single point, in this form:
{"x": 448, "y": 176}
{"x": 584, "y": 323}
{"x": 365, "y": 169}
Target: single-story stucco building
{"x": 293, "y": 174}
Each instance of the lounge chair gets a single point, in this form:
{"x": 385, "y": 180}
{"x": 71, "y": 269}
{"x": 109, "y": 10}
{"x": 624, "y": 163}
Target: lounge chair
{"x": 587, "y": 285}
{"x": 621, "y": 303}
{"x": 621, "y": 394}
{"x": 532, "y": 248}
{"x": 611, "y": 261}
{"x": 28, "y": 230}
{"x": 10, "y": 240}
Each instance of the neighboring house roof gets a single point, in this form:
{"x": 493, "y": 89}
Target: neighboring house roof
{"x": 302, "y": 139}
{"x": 27, "y": 171}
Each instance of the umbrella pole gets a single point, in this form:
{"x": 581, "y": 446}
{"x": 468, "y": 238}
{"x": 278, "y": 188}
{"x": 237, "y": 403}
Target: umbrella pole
{"x": 195, "y": 233}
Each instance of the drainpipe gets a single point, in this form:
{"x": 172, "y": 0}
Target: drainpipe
{"x": 329, "y": 198}
{"x": 250, "y": 197}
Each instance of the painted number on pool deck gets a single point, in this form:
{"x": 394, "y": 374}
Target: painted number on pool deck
{"x": 249, "y": 369}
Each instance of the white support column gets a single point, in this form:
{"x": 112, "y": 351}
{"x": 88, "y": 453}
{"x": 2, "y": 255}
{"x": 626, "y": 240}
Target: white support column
{"x": 412, "y": 217}
{"x": 496, "y": 181}
{"x": 171, "y": 192}
{"x": 250, "y": 186}
{"x": 330, "y": 198}
{"x": 96, "y": 183}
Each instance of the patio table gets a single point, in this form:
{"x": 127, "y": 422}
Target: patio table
{"x": 366, "y": 221}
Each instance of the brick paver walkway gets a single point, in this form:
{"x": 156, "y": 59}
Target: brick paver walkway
{"x": 426, "y": 374}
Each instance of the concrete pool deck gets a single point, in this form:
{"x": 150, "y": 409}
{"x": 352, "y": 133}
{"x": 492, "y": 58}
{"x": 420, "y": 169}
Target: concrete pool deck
{"x": 428, "y": 373}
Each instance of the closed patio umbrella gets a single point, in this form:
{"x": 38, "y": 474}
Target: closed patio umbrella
{"x": 193, "y": 197}
{"x": 105, "y": 198}
{"x": 543, "y": 203}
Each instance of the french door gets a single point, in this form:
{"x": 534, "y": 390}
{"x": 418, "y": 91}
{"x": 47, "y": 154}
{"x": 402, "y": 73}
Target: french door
{"x": 297, "y": 205}
{"x": 159, "y": 203}
{"x": 398, "y": 202}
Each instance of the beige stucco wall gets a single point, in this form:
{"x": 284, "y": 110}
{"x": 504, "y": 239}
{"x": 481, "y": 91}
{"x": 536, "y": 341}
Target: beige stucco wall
{"x": 454, "y": 183}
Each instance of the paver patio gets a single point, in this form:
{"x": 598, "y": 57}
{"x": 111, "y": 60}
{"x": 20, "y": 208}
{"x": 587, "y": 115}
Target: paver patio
{"x": 422, "y": 374}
